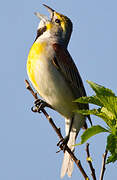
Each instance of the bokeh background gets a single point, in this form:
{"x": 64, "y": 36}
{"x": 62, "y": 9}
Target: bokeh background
{"x": 27, "y": 142}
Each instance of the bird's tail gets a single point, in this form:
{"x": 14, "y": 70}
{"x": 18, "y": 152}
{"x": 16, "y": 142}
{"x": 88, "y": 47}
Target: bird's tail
{"x": 78, "y": 122}
{"x": 67, "y": 165}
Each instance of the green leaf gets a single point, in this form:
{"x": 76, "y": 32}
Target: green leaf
{"x": 100, "y": 90}
{"x": 103, "y": 113}
{"x": 107, "y": 110}
{"x": 92, "y": 100}
{"x": 108, "y": 114}
{"x": 88, "y": 112}
{"x": 110, "y": 102}
{"x": 114, "y": 130}
{"x": 112, "y": 158}
{"x": 112, "y": 147}
{"x": 91, "y": 132}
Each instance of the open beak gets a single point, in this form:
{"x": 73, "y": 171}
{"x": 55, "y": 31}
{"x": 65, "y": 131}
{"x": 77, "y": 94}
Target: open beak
{"x": 43, "y": 17}
{"x": 51, "y": 11}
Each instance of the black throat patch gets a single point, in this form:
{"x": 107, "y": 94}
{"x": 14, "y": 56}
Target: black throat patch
{"x": 40, "y": 32}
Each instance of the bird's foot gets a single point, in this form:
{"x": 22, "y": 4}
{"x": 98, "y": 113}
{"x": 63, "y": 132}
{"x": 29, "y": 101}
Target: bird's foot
{"x": 63, "y": 143}
{"x": 39, "y": 105}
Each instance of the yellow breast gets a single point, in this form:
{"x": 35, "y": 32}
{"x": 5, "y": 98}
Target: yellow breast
{"x": 35, "y": 54}
{"x": 47, "y": 80}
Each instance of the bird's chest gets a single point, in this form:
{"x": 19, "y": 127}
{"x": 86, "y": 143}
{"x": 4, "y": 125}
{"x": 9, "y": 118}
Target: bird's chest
{"x": 53, "y": 87}
{"x": 38, "y": 64}
{"x": 48, "y": 80}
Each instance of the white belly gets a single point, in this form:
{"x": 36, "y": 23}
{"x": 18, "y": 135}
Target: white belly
{"x": 53, "y": 87}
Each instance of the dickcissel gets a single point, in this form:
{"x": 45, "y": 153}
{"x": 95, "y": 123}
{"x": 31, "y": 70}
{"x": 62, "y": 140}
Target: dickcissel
{"x": 55, "y": 76}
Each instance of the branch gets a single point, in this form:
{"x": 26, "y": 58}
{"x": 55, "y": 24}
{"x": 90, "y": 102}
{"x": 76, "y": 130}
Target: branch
{"x": 103, "y": 164}
{"x": 90, "y": 163}
{"x": 58, "y": 132}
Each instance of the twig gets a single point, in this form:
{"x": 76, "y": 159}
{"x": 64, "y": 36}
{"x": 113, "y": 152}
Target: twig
{"x": 58, "y": 132}
{"x": 103, "y": 164}
{"x": 90, "y": 163}
{"x": 31, "y": 90}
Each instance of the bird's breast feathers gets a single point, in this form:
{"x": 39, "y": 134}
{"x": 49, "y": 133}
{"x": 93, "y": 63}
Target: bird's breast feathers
{"x": 47, "y": 79}
{"x": 37, "y": 57}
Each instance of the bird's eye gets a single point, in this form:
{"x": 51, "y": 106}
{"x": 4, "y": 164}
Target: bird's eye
{"x": 57, "y": 21}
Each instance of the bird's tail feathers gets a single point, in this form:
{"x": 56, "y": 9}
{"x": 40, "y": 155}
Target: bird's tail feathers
{"x": 67, "y": 165}
{"x": 78, "y": 122}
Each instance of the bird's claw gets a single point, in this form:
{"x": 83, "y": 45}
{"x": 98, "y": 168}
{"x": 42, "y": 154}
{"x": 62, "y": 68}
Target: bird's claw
{"x": 39, "y": 105}
{"x": 63, "y": 143}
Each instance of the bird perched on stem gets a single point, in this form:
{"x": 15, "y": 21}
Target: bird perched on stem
{"x": 55, "y": 76}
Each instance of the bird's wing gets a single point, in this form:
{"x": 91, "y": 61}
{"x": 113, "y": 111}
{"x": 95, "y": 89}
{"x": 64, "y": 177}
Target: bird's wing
{"x": 63, "y": 61}
{"x": 66, "y": 65}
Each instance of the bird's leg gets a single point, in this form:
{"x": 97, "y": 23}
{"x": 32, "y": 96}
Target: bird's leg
{"x": 39, "y": 105}
{"x": 63, "y": 142}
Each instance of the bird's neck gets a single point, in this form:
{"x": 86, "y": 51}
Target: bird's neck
{"x": 52, "y": 39}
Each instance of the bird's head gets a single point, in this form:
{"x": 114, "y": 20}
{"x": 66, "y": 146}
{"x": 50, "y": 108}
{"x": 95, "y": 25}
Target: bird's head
{"x": 58, "y": 28}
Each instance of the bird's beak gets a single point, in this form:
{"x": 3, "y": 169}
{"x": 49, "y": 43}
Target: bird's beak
{"x": 51, "y": 11}
{"x": 43, "y": 17}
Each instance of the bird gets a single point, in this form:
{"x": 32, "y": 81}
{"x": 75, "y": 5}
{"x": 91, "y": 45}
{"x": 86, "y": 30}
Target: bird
{"x": 56, "y": 78}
